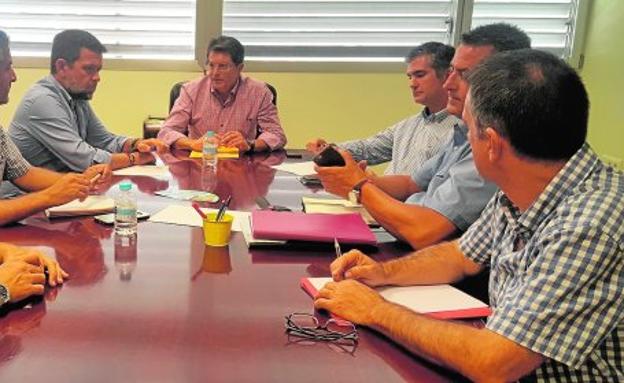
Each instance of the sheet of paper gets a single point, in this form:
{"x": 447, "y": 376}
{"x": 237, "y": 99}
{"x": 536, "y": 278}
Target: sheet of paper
{"x": 336, "y": 206}
{"x": 250, "y": 240}
{"x": 153, "y": 171}
{"x": 187, "y": 216}
{"x": 188, "y": 195}
{"x": 422, "y": 299}
{"x": 298, "y": 168}
{"x": 92, "y": 205}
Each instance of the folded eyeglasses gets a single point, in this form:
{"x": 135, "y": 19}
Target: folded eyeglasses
{"x": 333, "y": 330}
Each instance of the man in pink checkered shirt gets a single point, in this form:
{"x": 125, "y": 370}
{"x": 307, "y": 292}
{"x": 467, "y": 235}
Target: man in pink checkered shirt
{"x": 238, "y": 109}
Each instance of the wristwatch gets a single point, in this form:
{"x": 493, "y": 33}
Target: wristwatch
{"x": 355, "y": 193}
{"x": 4, "y": 295}
{"x": 252, "y": 146}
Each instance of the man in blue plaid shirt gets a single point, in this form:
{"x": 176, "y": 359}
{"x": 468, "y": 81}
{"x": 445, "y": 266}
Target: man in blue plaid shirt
{"x": 553, "y": 238}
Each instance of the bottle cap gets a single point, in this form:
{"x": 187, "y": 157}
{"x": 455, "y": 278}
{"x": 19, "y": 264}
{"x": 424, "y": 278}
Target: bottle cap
{"x": 125, "y": 186}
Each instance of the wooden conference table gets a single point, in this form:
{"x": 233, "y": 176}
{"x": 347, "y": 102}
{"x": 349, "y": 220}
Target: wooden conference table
{"x": 175, "y": 311}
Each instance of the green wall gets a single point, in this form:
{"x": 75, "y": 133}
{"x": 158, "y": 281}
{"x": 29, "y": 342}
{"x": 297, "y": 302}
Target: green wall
{"x": 336, "y": 106}
{"x": 603, "y": 75}
{"x": 339, "y": 106}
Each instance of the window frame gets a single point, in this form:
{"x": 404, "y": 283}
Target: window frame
{"x": 208, "y": 24}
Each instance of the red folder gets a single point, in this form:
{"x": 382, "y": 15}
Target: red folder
{"x": 277, "y": 225}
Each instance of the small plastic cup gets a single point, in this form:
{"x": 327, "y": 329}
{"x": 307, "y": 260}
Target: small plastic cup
{"x": 217, "y": 233}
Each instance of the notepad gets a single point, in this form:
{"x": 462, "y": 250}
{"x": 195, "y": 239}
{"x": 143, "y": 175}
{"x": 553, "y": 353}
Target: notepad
{"x": 347, "y": 228}
{"x": 437, "y": 301}
{"x": 92, "y": 205}
{"x": 335, "y": 206}
{"x": 222, "y": 152}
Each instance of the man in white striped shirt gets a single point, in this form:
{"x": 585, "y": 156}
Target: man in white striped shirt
{"x": 410, "y": 142}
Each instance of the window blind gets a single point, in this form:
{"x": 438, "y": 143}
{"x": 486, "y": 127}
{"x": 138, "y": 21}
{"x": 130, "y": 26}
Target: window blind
{"x": 335, "y": 30}
{"x": 549, "y": 23}
{"x": 130, "y": 29}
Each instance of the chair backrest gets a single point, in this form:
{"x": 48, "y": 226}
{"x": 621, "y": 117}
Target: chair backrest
{"x": 175, "y": 93}
{"x": 274, "y": 91}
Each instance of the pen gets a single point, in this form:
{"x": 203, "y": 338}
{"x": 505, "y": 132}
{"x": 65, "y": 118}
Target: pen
{"x": 223, "y": 207}
{"x": 95, "y": 178}
{"x": 198, "y": 210}
{"x": 337, "y": 248}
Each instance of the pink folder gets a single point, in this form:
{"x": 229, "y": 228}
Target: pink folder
{"x": 346, "y": 228}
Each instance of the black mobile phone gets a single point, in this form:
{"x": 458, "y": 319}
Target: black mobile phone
{"x": 310, "y": 180}
{"x": 329, "y": 157}
{"x": 109, "y": 219}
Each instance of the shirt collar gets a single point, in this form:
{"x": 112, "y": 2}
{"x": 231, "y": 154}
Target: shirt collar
{"x": 578, "y": 167}
{"x": 433, "y": 117}
{"x": 232, "y": 93}
{"x": 61, "y": 89}
{"x": 460, "y": 134}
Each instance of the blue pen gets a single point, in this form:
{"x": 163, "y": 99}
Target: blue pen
{"x": 223, "y": 208}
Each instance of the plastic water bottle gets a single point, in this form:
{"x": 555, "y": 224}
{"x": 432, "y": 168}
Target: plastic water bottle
{"x": 125, "y": 210}
{"x": 209, "y": 149}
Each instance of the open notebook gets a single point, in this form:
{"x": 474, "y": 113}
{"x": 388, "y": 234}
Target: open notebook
{"x": 335, "y": 206}
{"x": 436, "y": 301}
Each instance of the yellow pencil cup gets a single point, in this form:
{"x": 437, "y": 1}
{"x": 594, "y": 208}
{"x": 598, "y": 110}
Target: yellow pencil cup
{"x": 217, "y": 233}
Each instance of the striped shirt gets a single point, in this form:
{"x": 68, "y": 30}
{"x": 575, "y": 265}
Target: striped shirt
{"x": 557, "y": 271}
{"x": 407, "y": 144}
{"x": 12, "y": 164}
{"x": 249, "y": 109}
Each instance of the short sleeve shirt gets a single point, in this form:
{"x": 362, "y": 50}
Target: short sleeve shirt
{"x": 451, "y": 184}
{"x": 12, "y": 164}
{"x": 557, "y": 271}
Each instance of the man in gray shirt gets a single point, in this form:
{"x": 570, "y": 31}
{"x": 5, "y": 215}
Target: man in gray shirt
{"x": 47, "y": 188}
{"x": 410, "y": 142}
{"x": 54, "y": 126}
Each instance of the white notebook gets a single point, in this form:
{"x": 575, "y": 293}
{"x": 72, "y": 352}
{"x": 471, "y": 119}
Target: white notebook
{"x": 92, "y": 205}
{"x": 437, "y": 301}
{"x": 187, "y": 216}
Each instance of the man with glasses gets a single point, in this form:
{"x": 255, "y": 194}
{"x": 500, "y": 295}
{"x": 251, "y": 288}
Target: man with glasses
{"x": 446, "y": 194}
{"x": 237, "y": 108}
{"x": 412, "y": 141}
{"x": 54, "y": 126}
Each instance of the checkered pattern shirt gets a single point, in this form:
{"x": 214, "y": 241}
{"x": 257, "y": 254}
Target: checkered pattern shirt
{"x": 12, "y": 164}
{"x": 557, "y": 271}
{"x": 407, "y": 144}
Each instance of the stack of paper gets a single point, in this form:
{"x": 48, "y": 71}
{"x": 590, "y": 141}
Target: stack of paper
{"x": 92, "y": 205}
{"x": 436, "y": 301}
{"x": 335, "y": 206}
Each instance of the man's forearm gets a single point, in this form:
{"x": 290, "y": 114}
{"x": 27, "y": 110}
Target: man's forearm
{"x": 398, "y": 187}
{"x": 37, "y": 179}
{"x": 12, "y": 210}
{"x": 442, "y": 263}
{"x": 417, "y": 225}
{"x": 479, "y": 354}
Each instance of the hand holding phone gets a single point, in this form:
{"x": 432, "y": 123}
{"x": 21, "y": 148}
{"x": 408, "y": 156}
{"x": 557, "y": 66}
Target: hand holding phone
{"x": 329, "y": 157}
